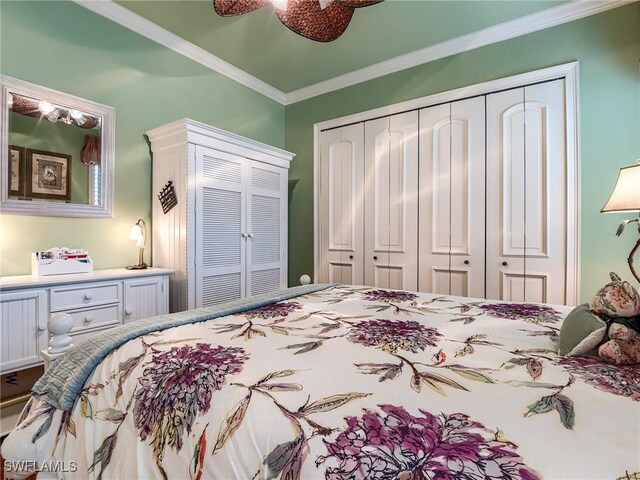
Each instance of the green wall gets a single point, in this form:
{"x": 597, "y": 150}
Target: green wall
{"x": 608, "y": 49}
{"x": 66, "y": 47}
{"x": 40, "y": 134}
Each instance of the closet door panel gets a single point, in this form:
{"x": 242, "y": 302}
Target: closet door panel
{"x": 266, "y": 216}
{"x": 452, "y": 198}
{"x": 526, "y": 194}
{"x": 505, "y": 231}
{"x": 220, "y": 221}
{"x": 467, "y": 197}
{"x": 505, "y": 195}
{"x": 435, "y": 199}
{"x": 455, "y": 281}
{"x": 391, "y": 209}
{"x": 341, "y": 196}
{"x": 546, "y": 193}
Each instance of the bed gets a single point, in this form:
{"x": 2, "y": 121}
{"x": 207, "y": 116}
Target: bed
{"x": 334, "y": 382}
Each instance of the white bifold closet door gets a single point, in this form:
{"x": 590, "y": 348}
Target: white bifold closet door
{"x": 239, "y": 212}
{"x": 452, "y": 198}
{"x": 391, "y": 202}
{"x": 342, "y": 205}
{"x": 526, "y": 194}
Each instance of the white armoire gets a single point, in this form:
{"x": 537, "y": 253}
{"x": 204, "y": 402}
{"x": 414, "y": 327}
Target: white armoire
{"x": 226, "y": 237}
{"x": 469, "y": 197}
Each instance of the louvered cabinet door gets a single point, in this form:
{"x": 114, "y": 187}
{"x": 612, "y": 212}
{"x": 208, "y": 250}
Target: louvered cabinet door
{"x": 265, "y": 233}
{"x": 219, "y": 244}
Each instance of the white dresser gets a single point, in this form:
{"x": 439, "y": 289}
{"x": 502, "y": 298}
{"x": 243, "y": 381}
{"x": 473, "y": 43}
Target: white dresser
{"x": 96, "y": 301}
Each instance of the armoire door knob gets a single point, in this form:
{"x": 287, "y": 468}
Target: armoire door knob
{"x": 466, "y": 262}
{"x": 350, "y": 257}
{"x": 375, "y": 257}
{"x": 504, "y": 264}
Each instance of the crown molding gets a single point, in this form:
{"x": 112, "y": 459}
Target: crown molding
{"x": 534, "y": 22}
{"x": 136, "y": 23}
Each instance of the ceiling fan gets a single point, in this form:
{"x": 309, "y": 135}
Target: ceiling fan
{"x": 319, "y": 20}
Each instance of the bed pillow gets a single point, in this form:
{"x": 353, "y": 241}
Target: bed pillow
{"x": 581, "y": 332}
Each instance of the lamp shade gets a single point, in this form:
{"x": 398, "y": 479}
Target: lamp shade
{"x": 138, "y": 233}
{"x": 626, "y": 194}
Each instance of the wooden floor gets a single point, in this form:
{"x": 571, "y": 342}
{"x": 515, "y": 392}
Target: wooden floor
{"x": 32, "y": 477}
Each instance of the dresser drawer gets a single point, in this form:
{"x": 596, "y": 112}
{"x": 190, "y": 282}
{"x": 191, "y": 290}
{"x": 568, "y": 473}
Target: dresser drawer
{"x": 82, "y": 335}
{"x": 69, "y": 298}
{"x": 91, "y": 318}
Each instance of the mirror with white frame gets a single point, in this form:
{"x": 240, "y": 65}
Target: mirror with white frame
{"x": 57, "y": 153}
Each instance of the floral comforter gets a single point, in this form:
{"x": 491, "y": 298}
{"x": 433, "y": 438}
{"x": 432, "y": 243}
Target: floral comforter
{"x": 348, "y": 383}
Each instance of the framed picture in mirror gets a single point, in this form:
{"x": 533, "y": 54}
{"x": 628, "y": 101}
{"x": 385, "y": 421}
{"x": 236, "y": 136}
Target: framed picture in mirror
{"x": 48, "y": 175}
{"x": 17, "y": 173}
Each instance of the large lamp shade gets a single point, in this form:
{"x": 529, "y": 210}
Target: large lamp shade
{"x": 626, "y": 198}
{"x": 626, "y": 194}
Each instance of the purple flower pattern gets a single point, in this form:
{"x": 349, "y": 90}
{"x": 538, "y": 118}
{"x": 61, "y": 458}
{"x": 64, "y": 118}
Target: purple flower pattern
{"x": 388, "y": 296}
{"x": 617, "y": 379}
{"x": 396, "y": 444}
{"x": 528, "y": 312}
{"x": 176, "y": 386}
{"x": 393, "y": 335}
{"x": 273, "y": 310}
{"x": 175, "y": 389}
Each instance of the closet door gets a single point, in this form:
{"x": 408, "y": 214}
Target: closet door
{"x": 265, "y": 222}
{"x": 452, "y": 170}
{"x": 220, "y": 270}
{"x": 526, "y": 194}
{"x": 391, "y": 202}
{"x": 341, "y": 205}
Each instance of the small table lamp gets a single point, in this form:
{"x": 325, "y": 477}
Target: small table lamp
{"x": 139, "y": 234}
{"x": 626, "y": 198}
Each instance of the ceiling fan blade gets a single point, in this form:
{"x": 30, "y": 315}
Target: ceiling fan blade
{"x": 308, "y": 19}
{"x": 358, "y": 3}
{"x": 25, "y": 106}
{"x": 230, "y": 8}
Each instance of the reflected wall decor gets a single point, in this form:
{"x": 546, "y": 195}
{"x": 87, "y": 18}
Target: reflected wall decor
{"x": 16, "y": 170}
{"x": 48, "y": 175}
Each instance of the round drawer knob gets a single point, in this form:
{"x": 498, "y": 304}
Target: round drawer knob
{"x": 88, "y": 296}
{"x": 375, "y": 257}
{"x": 466, "y": 262}
{"x": 128, "y": 311}
{"x": 350, "y": 257}
{"x": 42, "y": 327}
{"x": 504, "y": 264}
{"x": 88, "y": 318}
